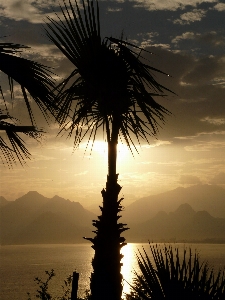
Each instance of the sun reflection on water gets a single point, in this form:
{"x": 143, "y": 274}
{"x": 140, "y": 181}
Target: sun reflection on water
{"x": 129, "y": 265}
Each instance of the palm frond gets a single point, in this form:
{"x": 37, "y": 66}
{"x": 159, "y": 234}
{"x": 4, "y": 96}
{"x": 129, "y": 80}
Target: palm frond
{"x": 171, "y": 276}
{"x": 109, "y": 80}
{"x": 34, "y": 78}
{"x": 13, "y": 147}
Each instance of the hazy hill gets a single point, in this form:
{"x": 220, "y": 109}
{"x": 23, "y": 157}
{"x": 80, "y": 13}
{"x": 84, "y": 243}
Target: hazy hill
{"x": 210, "y": 198}
{"x": 51, "y": 228}
{"x": 3, "y": 201}
{"x": 196, "y": 213}
{"x": 184, "y": 224}
{"x": 25, "y": 220}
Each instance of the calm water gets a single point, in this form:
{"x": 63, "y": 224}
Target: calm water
{"x": 19, "y": 265}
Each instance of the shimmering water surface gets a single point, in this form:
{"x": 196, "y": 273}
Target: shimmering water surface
{"x": 19, "y": 265}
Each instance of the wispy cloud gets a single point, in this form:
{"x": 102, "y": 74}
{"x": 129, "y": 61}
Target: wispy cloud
{"x": 80, "y": 174}
{"x": 190, "y": 17}
{"x": 185, "y": 36}
{"x": 20, "y": 10}
{"x": 170, "y": 5}
{"x": 28, "y": 10}
{"x": 216, "y": 40}
{"x": 214, "y": 121}
{"x": 189, "y": 179}
{"x": 218, "y": 178}
{"x": 113, "y": 9}
{"x": 156, "y": 144}
{"x": 200, "y": 134}
{"x": 169, "y": 163}
{"x": 219, "y": 7}
{"x": 206, "y": 146}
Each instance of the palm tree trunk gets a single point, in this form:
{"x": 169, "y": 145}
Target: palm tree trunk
{"x": 106, "y": 279}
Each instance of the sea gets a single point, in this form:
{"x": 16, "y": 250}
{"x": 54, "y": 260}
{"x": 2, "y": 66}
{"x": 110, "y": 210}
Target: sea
{"x": 21, "y": 264}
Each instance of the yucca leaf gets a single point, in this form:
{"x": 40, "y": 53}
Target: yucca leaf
{"x": 177, "y": 279}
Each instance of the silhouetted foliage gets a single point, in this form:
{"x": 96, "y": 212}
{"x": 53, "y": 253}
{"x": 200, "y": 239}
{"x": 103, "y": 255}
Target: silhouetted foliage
{"x": 110, "y": 84}
{"x": 113, "y": 89}
{"x": 172, "y": 276}
{"x": 43, "y": 292}
{"x": 35, "y": 80}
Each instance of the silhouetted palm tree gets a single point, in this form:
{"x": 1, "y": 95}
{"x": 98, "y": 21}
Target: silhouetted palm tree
{"x": 110, "y": 88}
{"x": 33, "y": 78}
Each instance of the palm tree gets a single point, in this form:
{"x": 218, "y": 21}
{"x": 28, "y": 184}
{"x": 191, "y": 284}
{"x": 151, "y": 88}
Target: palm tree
{"x": 33, "y": 78}
{"x": 110, "y": 88}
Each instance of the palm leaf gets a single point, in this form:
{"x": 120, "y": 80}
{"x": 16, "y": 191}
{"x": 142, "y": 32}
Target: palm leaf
{"x": 109, "y": 80}
{"x": 32, "y": 76}
{"x": 13, "y": 148}
{"x": 35, "y": 79}
{"x": 169, "y": 276}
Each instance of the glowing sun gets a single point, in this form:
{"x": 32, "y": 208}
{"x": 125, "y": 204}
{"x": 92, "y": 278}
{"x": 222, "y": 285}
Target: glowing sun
{"x": 123, "y": 151}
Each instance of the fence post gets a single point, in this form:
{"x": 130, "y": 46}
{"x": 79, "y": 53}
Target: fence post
{"x": 74, "y": 286}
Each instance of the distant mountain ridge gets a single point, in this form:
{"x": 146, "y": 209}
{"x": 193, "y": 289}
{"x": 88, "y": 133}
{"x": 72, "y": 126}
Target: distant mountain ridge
{"x": 182, "y": 225}
{"x": 3, "y": 201}
{"x": 191, "y": 214}
{"x": 210, "y": 198}
{"x": 24, "y": 220}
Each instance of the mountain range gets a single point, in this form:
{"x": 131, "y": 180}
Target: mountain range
{"x": 182, "y": 225}
{"x": 191, "y": 214}
{"x": 34, "y": 218}
{"x": 210, "y": 198}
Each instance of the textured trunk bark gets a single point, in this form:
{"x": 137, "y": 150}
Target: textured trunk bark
{"x": 106, "y": 279}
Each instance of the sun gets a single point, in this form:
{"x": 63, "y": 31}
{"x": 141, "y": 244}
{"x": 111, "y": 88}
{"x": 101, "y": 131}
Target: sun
{"x": 123, "y": 152}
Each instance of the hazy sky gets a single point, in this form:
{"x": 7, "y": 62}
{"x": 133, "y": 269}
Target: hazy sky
{"x": 188, "y": 42}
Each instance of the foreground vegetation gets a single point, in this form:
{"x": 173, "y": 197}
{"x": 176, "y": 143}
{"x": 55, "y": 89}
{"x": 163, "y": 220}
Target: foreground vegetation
{"x": 170, "y": 274}
{"x": 111, "y": 88}
{"x": 173, "y": 276}
{"x": 43, "y": 292}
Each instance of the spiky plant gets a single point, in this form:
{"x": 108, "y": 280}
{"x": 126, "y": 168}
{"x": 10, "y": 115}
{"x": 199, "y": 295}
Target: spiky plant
{"x": 172, "y": 276}
{"x": 35, "y": 80}
{"x": 110, "y": 88}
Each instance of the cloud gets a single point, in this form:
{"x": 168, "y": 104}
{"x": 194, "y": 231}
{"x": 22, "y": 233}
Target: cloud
{"x": 170, "y": 5}
{"x": 81, "y": 173}
{"x": 148, "y": 38}
{"x": 212, "y": 38}
{"x": 28, "y": 10}
{"x": 21, "y": 10}
{"x": 164, "y": 46}
{"x": 206, "y": 71}
{"x": 168, "y": 163}
{"x": 214, "y": 121}
{"x": 156, "y": 144}
{"x": 206, "y": 146}
{"x": 202, "y": 134}
{"x": 184, "y": 36}
{"x": 190, "y": 17}
{"x": 189, "y": 179}
{"x": 219, "y": 178}
{"x": 219, "y": 7}
{"x": 110, "y": 9}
